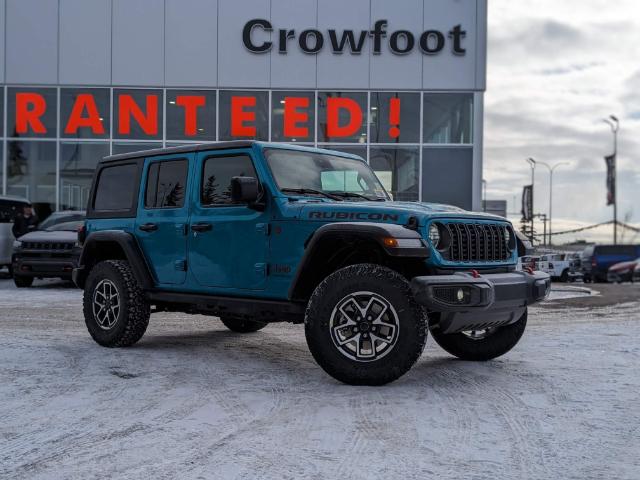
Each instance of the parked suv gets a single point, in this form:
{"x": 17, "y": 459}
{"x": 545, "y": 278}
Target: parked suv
{"x": 256, "y": 232}
{"x": 596, "y": 259}
{"x": 48, "y": 252}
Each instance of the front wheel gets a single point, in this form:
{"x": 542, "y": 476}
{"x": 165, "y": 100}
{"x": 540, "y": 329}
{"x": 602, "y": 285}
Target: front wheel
{"x": 242, "y": 325}
{"x": 481, "y": 345}
{"x": 22, "y": 282}
{"x": 363, "y": 326}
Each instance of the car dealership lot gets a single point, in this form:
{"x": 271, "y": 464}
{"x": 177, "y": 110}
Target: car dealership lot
{"x": 193, "y": 400}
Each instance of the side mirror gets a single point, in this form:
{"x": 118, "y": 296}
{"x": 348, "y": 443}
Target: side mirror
{"x": 244, "y": 190}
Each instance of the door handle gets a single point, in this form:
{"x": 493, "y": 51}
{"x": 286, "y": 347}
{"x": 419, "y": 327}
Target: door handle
{"x": 148, "y": 227}
{"x": 201, "y": 227}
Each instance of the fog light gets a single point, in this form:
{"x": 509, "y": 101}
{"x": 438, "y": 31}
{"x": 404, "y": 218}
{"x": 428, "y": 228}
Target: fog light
{"x": 460, "y": 295}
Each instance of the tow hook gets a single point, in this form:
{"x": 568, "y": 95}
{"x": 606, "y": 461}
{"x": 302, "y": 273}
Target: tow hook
{"x": 475, "y": 274}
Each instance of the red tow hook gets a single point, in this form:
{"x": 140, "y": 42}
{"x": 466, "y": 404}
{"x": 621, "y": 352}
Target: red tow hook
{"x": 529, "y": 270}
{"x": 475, "y": 274}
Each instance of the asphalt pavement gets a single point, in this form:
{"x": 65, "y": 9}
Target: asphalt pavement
{"x": 193, "y": 400}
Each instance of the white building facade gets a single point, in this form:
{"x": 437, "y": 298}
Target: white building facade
{"x": 400, "y": 83}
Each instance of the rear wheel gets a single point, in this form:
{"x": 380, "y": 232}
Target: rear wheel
{"x": 115, "y": 310}
{"x": 565, "y": 275}
{"x": 241, "y": 325}
{"x": 363, "y": 325}
{"x": 482, "y": 345}
{"x": 22, "y": 282}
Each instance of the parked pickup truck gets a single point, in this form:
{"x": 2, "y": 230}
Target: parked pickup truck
{"x": 256, "y": 232}
{"x": 560, "y": 266}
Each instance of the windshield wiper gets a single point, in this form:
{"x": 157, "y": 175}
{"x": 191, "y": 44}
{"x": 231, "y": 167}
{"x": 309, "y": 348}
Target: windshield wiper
{"x": 358, "y": 195}
{"x": 312, "y": 191}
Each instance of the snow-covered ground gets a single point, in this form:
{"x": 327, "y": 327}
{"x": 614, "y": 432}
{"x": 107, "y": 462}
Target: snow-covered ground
{"x": 193, "y": 400}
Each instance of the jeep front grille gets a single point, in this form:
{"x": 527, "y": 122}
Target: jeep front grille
{"x": 47, "y": 246}
{"x": 477, "y": 242}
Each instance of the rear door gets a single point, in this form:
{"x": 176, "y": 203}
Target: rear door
{"x": 227, "y": 242}
{"x": 163, "y": 216}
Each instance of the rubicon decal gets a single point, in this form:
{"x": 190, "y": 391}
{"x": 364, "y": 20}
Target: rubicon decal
{"x": 392, "y": 217}
{"x": 257, "y": 38}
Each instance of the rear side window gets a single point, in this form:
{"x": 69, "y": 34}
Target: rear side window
{"x": 629, "y": 250}
{"x": 166, "y": 184}
{"x": 217, "y": 174}
{"x": 116, "y": 189}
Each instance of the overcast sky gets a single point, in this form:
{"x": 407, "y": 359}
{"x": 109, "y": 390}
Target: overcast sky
{"x": 555, "y": 69}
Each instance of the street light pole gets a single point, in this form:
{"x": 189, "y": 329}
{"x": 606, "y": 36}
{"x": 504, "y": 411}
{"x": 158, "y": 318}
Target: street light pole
{"x": 551, "y": 170}
{"x": 532, "y": 162}
{"x": 613, "y": 122}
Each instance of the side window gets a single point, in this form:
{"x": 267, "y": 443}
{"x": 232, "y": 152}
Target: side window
{"x": 116, "y": 188}
{"x": 217, "y": 174}
{"x": 166, "y": 184}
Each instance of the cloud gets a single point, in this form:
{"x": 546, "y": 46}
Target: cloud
{"x": 554, "y": 72}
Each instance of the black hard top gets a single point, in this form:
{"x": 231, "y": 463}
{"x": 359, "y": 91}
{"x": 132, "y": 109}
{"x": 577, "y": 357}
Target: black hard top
{"x": 196, "y": 147}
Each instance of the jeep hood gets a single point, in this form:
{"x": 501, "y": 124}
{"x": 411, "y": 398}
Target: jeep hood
{"x": 45, "y": 236}
{"x": 389, "y": 212}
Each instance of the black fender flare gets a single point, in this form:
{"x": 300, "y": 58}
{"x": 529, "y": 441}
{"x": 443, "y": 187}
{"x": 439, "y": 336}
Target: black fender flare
{"x": 127, "y": 244}
{"x": 377, "y": 232}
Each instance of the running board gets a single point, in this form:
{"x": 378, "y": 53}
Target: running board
{"x": 238, "y": 307}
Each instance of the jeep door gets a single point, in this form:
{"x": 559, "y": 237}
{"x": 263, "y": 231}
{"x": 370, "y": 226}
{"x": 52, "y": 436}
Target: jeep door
{"x": 227, "y": 242}
{"x": 163, "y": 216}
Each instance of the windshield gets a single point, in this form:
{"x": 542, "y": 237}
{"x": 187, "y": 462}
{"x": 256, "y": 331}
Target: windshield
{"x": 57, "y": 218}
{"x": 324, "y": 174}
{"x": 66, "y": 226}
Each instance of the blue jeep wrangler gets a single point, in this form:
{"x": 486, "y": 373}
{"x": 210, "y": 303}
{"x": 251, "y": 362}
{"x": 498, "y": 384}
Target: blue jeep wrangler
{"x": 255, "y": 232}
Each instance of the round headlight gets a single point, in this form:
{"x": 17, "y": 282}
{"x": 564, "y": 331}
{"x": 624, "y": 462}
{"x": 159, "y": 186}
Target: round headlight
{"x": 434, "y": 235}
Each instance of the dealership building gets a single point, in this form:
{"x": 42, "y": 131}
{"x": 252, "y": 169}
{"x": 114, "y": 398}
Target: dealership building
{"x": 400, "y": 83}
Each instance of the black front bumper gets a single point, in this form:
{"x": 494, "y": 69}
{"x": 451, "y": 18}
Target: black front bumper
{"x": 462, "y": 301}
{"x": 43, "y": 267}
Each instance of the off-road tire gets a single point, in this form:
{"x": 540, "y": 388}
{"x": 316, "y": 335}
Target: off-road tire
{"x": 494, "y": 345}
{"x": 564, "y": 277}
{"x": 241, "y": 325}
{"x": 133, "y": 317}
{"x": 22, "y": 281}
{"x": 410, "y": 338}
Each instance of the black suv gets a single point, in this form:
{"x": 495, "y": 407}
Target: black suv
{"x": 50, "y": 251}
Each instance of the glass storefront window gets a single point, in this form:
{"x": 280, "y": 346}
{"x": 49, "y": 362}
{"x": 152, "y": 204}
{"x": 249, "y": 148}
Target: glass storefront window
{"x": 395, "y": 117}
{"x": 398, "y": 168}
{"x": 191, "y": 115}
{"x": 2, "y": 112}
{"x": 137, "y": 114}
{"x": 77, "y": 164}
{"x": 244, "y": 115}
{"x": 84, "y": 112}
{"x": 31, "y": 173}
{"x": 342, "y": 117}
{"x": 443, "y": 167}
{"x": 352, "y": 149}
{"x": 448, "y": 118}
{"x": 128, "y": 147}
{"x": 292, "y": 116}
{"x": 32, "y": 112}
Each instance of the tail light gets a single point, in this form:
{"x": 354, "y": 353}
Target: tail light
{"x": 593, "y": 263}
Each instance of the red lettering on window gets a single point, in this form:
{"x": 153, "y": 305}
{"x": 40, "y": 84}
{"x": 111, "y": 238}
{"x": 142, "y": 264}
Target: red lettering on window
{"x": 334, "y": 129}
{"x": 29, "y": 108}
{"x": 292, "y": 116}
{"x": 85, "y": 101}
{"x": 239, "y": 116}
{"x": 190, "y": 103}
{"x": 129, "y": 108}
